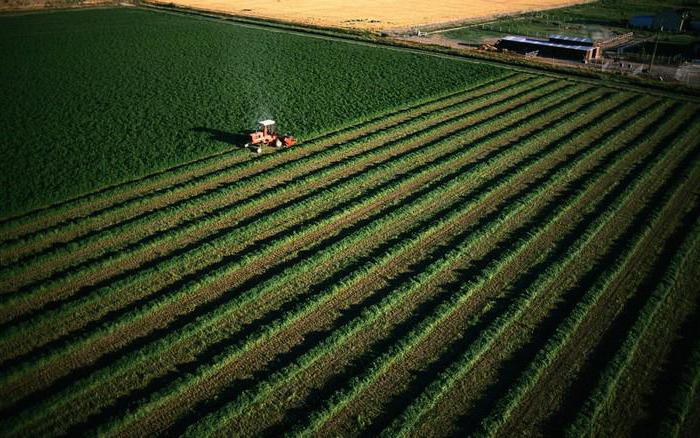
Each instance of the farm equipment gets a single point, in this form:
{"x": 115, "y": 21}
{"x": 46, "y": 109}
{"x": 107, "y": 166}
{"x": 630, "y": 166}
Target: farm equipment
{"x": 266, "y": 135}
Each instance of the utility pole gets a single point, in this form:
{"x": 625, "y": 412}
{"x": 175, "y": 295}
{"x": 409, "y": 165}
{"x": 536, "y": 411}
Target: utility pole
{"x": 656, "y": 45}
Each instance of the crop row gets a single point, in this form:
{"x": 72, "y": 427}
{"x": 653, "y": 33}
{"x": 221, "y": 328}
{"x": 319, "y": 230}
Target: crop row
{"x": 71, "y": 310}
{"x": 154, "y": 356}
{"x": 423, "y": 329}
{"x": 106, "y": 197}
{"x": 245, "y": 174}
{"x": 685, "y": 393}
{"x": 365, "y": 273}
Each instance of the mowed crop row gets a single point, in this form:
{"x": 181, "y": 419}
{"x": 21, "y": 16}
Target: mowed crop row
{"x": 372, "y": 280}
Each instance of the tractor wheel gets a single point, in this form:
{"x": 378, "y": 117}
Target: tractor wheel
{"x": 278, "y": 143}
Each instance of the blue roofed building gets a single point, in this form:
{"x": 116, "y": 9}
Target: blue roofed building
{"x": 570, "y": 40}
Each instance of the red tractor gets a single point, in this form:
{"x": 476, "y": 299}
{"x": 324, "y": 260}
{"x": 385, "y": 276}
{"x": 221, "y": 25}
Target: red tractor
{"x": 267, "y": 135}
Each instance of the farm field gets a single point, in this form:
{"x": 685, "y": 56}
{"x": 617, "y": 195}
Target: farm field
{"x": 494, "y": 254}
{"x": 96, "y": 97}
{"x": 371, "y": 14}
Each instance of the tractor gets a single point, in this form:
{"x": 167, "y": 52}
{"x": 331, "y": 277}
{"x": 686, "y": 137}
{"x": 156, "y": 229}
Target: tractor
{"x": 267, "y": 135}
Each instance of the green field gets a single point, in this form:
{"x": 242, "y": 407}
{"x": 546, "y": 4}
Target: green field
{"x": 499, "y": 254}
{"x": 96, "y": 97}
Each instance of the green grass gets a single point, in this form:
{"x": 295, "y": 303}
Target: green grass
{"x": 96, "y": 97}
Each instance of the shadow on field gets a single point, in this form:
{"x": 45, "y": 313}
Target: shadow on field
{"x": 235, "y": 139}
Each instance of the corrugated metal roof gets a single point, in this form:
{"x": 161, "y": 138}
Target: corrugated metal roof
{"x": 536, "y": 42}
{"x": 571, "y": 38}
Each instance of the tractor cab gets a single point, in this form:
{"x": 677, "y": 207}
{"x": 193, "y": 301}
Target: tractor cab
{"x": 267, "y": 127}
{"x": 266, "y": 134}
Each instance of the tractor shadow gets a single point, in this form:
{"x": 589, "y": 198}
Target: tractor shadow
{"x": 237, "y": 139}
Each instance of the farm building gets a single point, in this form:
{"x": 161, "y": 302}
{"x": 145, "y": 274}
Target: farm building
{"x": 557, "y": 46}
